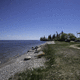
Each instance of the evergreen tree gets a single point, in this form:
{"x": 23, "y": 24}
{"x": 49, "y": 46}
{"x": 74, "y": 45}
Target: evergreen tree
{"x": 62, "y": 32}
{"x": 49, "y": 37}
{"x": 53, "y": 36}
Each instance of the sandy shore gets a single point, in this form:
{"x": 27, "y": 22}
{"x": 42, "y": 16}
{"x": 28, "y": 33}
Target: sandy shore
{"x": 17, "y": 65}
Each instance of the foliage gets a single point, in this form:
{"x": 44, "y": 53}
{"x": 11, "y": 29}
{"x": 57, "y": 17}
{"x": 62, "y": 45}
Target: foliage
{"x": 59, "y": 37}
{"x": 70, "y": 35}
{"x": 49, "y": 37}
{"x": 53, "y": 37}
{"x": 43, "y": 39}
{"x": 63, "y": 37}
{"x": 78, "y": 45}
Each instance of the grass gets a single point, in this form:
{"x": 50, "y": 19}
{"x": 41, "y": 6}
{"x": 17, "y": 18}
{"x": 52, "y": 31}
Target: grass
{"x": 63, "y": 63}
{"x": 67, "y": 62}
{"x": 78, "y": 46}
{"x": 34, "y": 74}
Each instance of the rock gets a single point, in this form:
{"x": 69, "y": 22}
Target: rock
{"x": 49, "y": 42}
{"x": 71, "y": 41}
{"x": 27, "y": 58}
{"x": 30, "y": 50}
{"x": 40, "y": 54}
{"x": 39, "y": 49}
{"x": 27, "y": 51}
{"x": 36, "y": 47}
{"x": 33, "y": 48}
{"x": 36, "y": 51}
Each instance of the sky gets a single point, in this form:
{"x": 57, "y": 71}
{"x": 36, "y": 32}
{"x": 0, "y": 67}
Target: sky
{"x": 32, "y": 19}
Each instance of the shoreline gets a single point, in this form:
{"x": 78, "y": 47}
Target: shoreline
{"x": 18, "y": 64}
{"x": 13, "y": 59}
{"x": 14, "y": 49}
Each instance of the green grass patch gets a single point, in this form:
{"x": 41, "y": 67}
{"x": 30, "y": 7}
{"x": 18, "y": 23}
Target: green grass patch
{"x": 35, "y": 74}
{"x": 50, "y": 55}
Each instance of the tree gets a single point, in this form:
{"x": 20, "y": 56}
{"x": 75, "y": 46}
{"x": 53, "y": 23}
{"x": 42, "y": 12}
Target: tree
{"x": 62, "y": 32}
{"x": 49, "y": 37}
{"x": 43, "y": 39}
{"x": 53, "y": 36}
{"x": 57, "y": 35}
{"x": 70, "y": 35}
{"x": 63, "y": 37}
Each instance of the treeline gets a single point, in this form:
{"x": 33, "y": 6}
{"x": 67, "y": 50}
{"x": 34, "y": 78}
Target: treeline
{"x": 59, "y": 37}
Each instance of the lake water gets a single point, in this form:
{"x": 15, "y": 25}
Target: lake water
{"x": 11, "y": 48}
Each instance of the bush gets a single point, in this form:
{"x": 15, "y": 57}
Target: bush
{"x": 63, "y": 37}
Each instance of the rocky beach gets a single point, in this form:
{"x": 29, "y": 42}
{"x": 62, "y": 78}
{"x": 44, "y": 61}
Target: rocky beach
{"x": 22, "y": 63}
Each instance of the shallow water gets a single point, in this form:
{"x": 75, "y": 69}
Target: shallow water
{"x": 13, "y": 48}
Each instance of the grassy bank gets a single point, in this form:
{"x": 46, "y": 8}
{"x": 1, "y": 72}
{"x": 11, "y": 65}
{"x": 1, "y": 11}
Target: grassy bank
{"x": 63, "y": 63}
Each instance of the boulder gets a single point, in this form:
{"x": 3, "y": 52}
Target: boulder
{"x": 40, "y": 54}
{"x": 33, "y": 48}
{"x": 27, "y": 51}
{"x": 27, "y": 58}
{"x": 38, "y": 49}
{"x": 30, "y": 50}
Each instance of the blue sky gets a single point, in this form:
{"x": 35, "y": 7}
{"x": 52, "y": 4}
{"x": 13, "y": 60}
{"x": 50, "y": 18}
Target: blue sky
{"x": 32, "y": 19}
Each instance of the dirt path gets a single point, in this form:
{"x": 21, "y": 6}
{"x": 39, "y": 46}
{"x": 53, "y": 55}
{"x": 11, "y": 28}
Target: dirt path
{"x": 75, "y": 46}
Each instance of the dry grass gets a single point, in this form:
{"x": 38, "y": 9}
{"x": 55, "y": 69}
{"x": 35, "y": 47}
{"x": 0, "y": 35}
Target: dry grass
{"x": 67, "y": 63}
